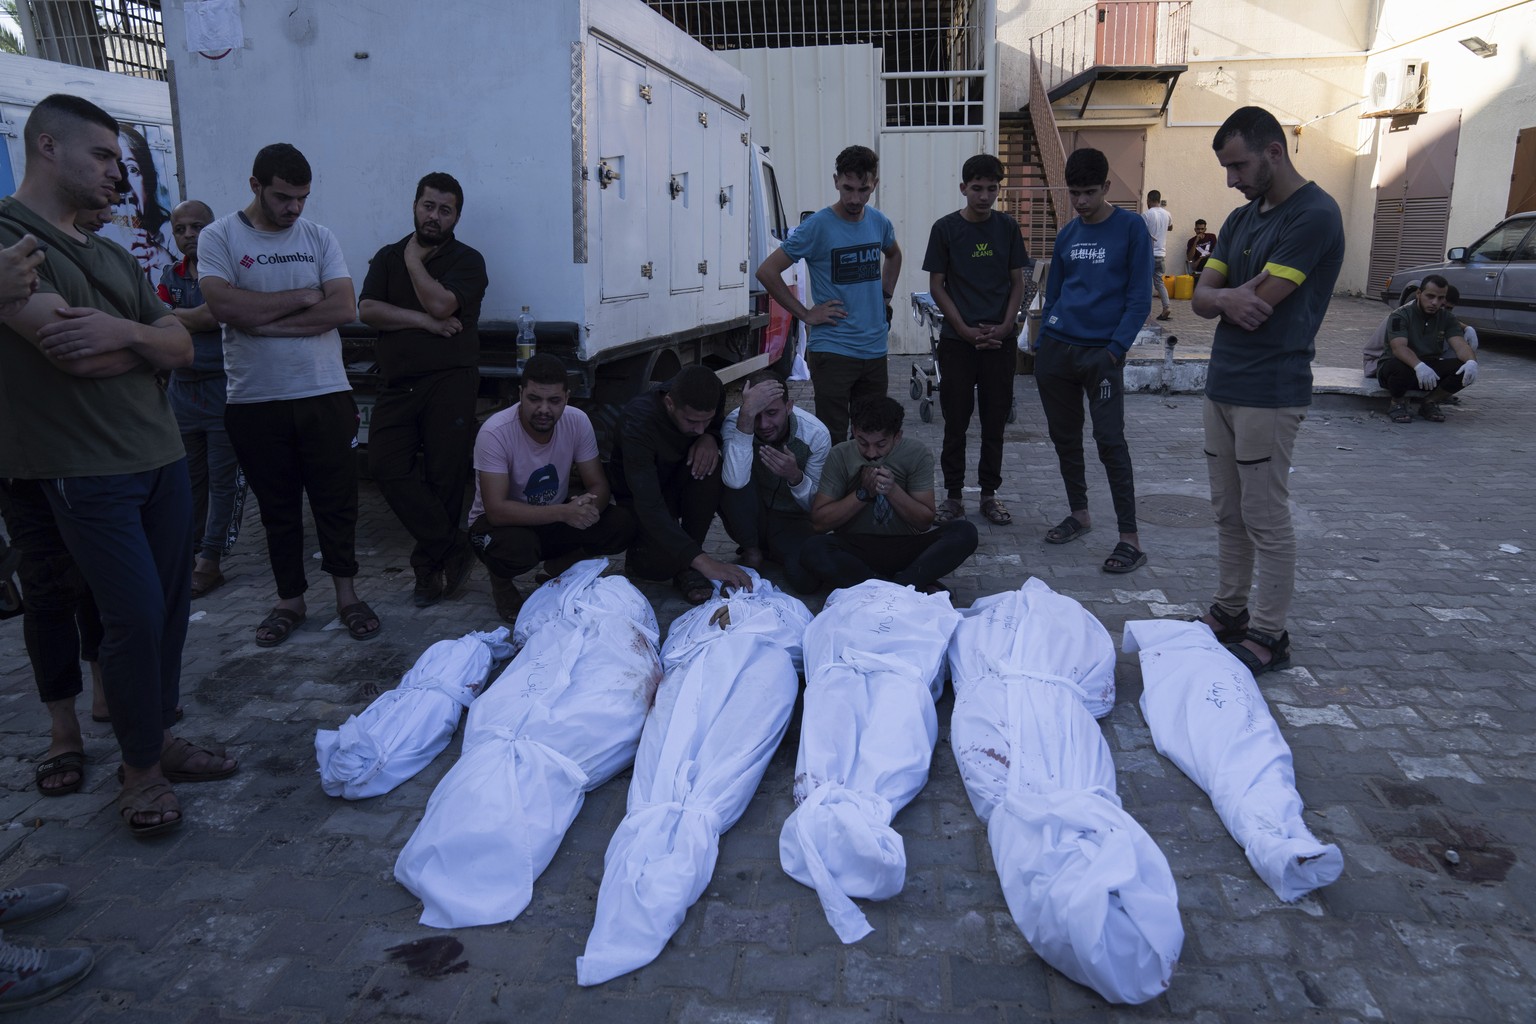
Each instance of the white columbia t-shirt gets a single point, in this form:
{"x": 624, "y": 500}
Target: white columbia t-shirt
{"x": 305, "y": 255}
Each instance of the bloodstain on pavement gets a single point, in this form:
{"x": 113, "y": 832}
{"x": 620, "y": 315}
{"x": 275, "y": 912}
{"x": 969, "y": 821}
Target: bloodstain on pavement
{"x": 430, "y": 958}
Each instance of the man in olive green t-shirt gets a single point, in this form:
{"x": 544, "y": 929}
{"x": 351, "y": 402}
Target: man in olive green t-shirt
{"x": 80, "y": 412}
{"x": 873, "y": 510}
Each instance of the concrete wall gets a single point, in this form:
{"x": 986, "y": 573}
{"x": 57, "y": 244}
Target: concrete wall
{"x": 1496, "y": 95}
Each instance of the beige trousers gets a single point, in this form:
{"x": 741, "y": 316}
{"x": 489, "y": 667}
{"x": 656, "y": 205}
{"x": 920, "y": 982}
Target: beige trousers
{"x": 1248, "y": 454}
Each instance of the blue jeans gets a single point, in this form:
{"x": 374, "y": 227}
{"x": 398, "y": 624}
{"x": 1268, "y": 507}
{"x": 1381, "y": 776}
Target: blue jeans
{"x": 218, "y": 486}
{"x": 128, "y": 535}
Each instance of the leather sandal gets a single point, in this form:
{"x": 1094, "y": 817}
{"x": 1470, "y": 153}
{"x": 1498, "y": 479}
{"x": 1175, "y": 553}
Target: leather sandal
{"x": 995, "y": 511}
{"x": 1279, "y": 648}
{"x": 1230, "y": 628}
{"x": 949, "y": 508}
{"x": 145, "y": 798}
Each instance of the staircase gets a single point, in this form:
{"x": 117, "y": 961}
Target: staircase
{"x": 1035, "y": 195}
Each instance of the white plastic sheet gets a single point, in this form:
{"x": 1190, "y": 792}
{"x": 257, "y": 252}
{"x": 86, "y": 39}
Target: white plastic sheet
{"x": 401, "y": 732}
{"x": 583, "y": 590}
{"x": 874, "y": 661}
{"x": 1087, "y": 886}
{"x": 561, "y": 720}
{"x": 1208, "y": 717}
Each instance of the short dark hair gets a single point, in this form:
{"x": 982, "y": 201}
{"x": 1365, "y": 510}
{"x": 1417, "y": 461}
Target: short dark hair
{"x": 1256, "y": 126}
{"x": 768, "y": 377}
{"x": 1199, "y": 221}
{"x": 57, "y": 113}
{"x": 860, "y": 161}
{"x": 1452, "y": 295}
{"x": 984, "y": 166}
{"x": 696, "y": 387}
{"x": 881, "y": 414}
{"x": 1435, "y": 279}
{"x": 439, "y": 181}
{"x": 281, "y": 160}
{"x": 1087, "y": 168}
{"x": 1154, "y": 197}
{"x": 544, "y": 368}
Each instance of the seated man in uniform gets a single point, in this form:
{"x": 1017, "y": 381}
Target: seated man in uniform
{"x": 873, "y": 511}
{"x": 1417, "y": 334}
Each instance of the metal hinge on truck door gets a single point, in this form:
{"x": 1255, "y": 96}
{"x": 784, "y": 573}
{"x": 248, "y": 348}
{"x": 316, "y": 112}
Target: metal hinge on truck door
{"x": 742, "y": 266}
{"x": 704, "y": 267}
{"x": 704, "y": 118}
{"x": 746, "y": 140}
{"x": 645, "y": 93}
{"x": 675, "y": 187}
{"x": 606, "y": 175}
{"x": 647, "y": 270}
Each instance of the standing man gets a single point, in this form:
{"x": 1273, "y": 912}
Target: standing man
{"x": 774, "y": 455}
{"x": 873, "y": 513}
{"x": 423, "y": 295}
{"x": 975, "y": 263}
{"x": 1268, "y": 281}
{"x": 197, "y": 395}
{"x": 279, "y": 285}
{"x": 666, "y": 471}
{"x": 80, "y": 412}
{"x": 851, "y": 320}
{"x": 1159, "y": 222}
{"x": 1095, "y": 301}
{"x": 524, "y": 511}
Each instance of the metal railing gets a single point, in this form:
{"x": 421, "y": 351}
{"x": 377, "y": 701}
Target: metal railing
{"x": 933, "y": 52}
{"x": 123, "y": 36}
{"x": 1113, "y": 33}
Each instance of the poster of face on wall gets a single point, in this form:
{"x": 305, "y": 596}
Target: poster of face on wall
{"x": 141, "y": 219}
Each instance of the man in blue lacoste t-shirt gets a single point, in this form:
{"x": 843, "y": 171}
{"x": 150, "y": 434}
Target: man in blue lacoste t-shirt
{"x": 843, "y": 245}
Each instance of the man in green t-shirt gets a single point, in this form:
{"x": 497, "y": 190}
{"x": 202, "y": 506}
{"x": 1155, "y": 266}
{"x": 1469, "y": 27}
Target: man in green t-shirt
{"x": 1417, "y": 336}
{"x": 80, "y": 412}
{"x": 873, "y": 510}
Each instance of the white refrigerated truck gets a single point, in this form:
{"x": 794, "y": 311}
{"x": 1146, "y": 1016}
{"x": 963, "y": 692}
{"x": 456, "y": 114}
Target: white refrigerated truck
{"x": 606, "y": 157}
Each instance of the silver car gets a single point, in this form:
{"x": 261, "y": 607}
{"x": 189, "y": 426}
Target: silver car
{"x": 1496, "y": 276}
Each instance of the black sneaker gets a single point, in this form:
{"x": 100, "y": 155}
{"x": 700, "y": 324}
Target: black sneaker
{"x": 429, "y": 587}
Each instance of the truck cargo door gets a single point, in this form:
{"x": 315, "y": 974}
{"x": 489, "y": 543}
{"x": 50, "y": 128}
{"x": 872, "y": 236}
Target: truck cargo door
{"x": 690, "y": 118}
{"x": 735, "y": 206}
{"x": 623, "y": 103}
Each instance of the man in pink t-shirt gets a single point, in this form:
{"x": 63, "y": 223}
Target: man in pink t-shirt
{"x": 525, "y": 511}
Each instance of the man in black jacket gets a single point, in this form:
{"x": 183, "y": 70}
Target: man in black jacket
{"x": 666, "y": 469}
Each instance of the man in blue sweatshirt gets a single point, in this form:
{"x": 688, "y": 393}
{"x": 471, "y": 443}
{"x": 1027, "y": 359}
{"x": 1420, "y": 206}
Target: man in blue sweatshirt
{"x": 1096, "y": 298}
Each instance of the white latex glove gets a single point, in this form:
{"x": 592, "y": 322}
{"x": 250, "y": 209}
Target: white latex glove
{"x": 1428, "y": 378}
{"x": 1468, "y": 371}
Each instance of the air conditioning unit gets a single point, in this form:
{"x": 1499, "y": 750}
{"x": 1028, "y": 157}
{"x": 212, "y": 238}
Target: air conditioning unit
{"x": 1394, "y": 84}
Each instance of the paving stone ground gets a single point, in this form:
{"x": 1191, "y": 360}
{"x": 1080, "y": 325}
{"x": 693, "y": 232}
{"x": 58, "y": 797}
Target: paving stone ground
{"x": 1410, "y": 710}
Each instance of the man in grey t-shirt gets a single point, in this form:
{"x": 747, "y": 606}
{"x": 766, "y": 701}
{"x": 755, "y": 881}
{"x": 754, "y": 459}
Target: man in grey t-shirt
{"x": 279, "y": 285}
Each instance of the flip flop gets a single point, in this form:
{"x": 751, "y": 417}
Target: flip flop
{"x": 356, "y": 618}
{"x": 1068, "y": 529}
{"x": 1125, "y": 558}
{"x": 995, "y": 511}
{"x": 69, "y": 761}
{"x": 949, "y": 508}
{"x": 280, "y": 622}
{"x": 145, "y": 798}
